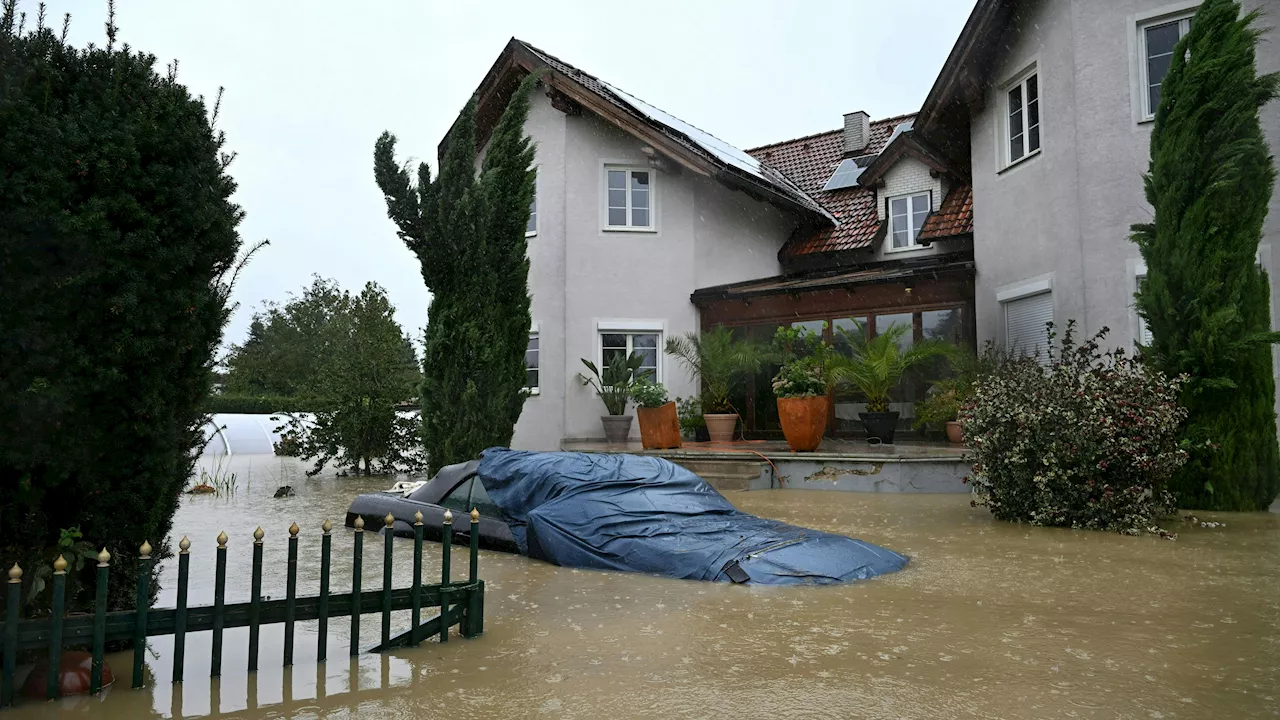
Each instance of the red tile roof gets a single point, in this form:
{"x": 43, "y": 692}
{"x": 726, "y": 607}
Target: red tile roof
{"x": 809, "y": 162}
{"x": 954, "y": 217}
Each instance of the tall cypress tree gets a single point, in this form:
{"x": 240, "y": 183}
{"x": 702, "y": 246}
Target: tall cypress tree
{"x": 468, "y": 234}
{"x": 1204, "y": 298}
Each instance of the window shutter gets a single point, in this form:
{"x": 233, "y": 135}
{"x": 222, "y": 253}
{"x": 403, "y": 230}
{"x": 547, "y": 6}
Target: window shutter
{"x": 1024, "y": 324}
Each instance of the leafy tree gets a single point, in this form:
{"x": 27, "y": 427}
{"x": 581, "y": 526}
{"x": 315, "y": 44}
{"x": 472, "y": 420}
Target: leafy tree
{"x": 468, "y": 234}
{"x": 1204, "y": 297}
{"x": 357, "y": 390}
{"x": 118, "y": 252}
{"x": 289, "y": 344}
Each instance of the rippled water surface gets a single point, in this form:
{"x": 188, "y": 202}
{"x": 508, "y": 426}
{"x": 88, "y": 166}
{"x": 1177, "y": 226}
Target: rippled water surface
{"x": 990, "y": 620}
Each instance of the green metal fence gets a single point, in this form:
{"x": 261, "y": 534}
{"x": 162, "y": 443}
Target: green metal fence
{"x": 461, "y": 603}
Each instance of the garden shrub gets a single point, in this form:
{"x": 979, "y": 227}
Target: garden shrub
{"x": 1089, "y": 440}
{"x": 256, "y": 404}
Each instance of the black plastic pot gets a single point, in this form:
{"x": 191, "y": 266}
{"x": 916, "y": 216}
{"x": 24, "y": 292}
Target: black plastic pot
{"x": 880, "y": 425}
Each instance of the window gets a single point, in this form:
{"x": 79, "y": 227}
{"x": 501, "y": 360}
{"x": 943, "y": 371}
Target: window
{"x": 615, "y": 343}
{"x": 531, "y": 367}
{"x": 481, "y": 501}
{"x": 1157, "y": 41}
{"x": 629, "y": 201}
{"x": 1024, "y": 324}
{"x": 906, "y": 217}
{"x": 458, "y": 499}
{"x": 1022, "y": 110}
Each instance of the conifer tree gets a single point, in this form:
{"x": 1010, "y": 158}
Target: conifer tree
{"x": 468, "y": 234}
{"x": 1205, "y": 299}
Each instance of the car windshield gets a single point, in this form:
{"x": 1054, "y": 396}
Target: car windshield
{"x": 480, "y": 500}
{"x": 458, "y": 499}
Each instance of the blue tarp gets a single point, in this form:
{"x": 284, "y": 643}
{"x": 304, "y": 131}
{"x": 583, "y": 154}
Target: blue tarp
{"x": 645, "y": 514}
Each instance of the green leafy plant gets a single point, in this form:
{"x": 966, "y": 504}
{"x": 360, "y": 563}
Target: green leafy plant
{"x": 614, "y": 385}
{"x": 1090, "y": 441}
{"x": 1206, "y": 301}
{"x": 877, "y": 365}
{"x": 806, "y": 363}
{"x": 649, "y": 394}
{"x": 941, "y": 405}
{"x": 689, "y": 411}
{"x": 77, "y": 552}
{"x": 718, "y": 360}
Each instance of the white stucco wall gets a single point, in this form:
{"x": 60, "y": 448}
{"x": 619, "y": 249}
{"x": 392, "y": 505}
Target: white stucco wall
{"x": 582, "y": 275}
{"x": 1064, "y": 214}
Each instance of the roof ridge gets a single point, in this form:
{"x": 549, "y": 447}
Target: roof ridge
{"x": 882, "y": 121}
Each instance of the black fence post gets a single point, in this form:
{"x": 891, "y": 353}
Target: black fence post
{"x": 140, "y": 612}
{"x": 389, "y": 538}
{"x": 446, "y": 545}
{"x": 255, "y": 599}
{"x": 322, "y": 639}
{"x": 356, "y": 570}
{"x": 99, "y": 623}
{"x": 53, "y": 675}
{"x": 416, "y": 592}
{"x": 12, "y": 593}
{"x": 219, "y": 602}
{"x": 180, "y": 612}
{"x": 291, "y": 594}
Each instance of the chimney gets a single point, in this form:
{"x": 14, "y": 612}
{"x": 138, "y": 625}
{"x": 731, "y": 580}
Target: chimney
{"x": 857, "y": 131}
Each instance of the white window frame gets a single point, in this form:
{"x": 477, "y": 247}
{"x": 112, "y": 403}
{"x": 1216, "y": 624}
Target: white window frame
{"x": 631, "y": 328}
{"x": 1005, "y": 135}
{"x": 604, "y": 194}
{"x": 913, "y": 241}
{"x": 533, "y": 208}
{"x": 533, "y": 333}
{"x": 1144, "y": 81}
{"x": 1039, "y": 285}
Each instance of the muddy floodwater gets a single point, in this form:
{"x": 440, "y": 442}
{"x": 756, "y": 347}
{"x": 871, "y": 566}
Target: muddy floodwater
{"x": 990, "y": 620}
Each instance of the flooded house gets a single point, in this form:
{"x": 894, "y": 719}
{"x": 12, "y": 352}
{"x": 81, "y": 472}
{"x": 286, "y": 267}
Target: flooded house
{"x": 1003, "y": 203}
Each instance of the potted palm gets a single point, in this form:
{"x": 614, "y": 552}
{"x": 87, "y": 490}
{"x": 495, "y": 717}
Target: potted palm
{"x": 614, "y": 388}
{"x": 875, "y": 369}
{"x": 659, "y": 421}
{"x": 719, "y": 361}
{"x": 802, "y": 386}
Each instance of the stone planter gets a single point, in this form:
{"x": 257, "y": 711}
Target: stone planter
{"x": 720, "y": 426}
{"x": 954, "y": 435}
{"x": 616, "y": 428}
{"x": 659, "y": 427}
{"x": 880, "y": 425}
{"x": 803, "y": 419}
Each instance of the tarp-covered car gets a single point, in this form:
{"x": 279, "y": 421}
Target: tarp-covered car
{"x": 627, "y": 512}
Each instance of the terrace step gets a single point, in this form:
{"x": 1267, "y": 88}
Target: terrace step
{"x": 723, "y": 475}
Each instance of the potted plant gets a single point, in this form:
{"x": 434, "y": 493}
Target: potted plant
{"x": 718, "y": 360}
{"x": 802, "y": 386}
{"x": 659, "y": 421}
{"x": 614, "y": 387}
{"x": 692, "y": 425}
{"x": 876, "y": 367}
{"x": 941, "y": 407}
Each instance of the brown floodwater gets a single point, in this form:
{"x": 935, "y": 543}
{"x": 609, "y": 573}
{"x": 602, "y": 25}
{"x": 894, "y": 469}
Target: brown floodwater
{"x": 990, "y": 620}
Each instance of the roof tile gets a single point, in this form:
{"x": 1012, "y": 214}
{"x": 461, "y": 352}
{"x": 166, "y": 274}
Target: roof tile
{"x": 954, "y": 216}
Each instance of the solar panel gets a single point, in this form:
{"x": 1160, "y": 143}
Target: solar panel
{"x": 845, "y": 176}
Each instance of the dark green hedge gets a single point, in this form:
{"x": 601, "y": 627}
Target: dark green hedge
{"x": 254, "y": 404}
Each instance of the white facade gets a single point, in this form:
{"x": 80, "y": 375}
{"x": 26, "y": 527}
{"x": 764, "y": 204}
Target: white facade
{"x": 587, "y": 278}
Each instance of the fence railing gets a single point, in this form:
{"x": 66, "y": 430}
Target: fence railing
{"x": 461, "y": 603}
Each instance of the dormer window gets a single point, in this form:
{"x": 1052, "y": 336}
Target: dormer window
{"x": 906, "y": 217}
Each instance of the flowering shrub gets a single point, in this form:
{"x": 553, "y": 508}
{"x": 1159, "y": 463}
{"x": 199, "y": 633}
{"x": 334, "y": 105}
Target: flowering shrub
{"x": 805, "y": 360}
{"x": 648, "y": 394}
{"x": 800, "y": 378}
{"x": 1088, "y": 441}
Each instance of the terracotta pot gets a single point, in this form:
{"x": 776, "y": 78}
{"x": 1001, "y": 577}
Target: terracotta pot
{"x": 720, "y": 426}
{"x": 954, "y": 436}
{"x": 880, "y": 425}
{"x": 659, "y": 427}
{"x": 73, "y": 675}
{"x": 803, "y": 419}
{"x": 616, "y": 428}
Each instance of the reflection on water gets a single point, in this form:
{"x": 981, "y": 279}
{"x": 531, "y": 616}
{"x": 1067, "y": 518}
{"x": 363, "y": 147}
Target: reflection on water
{"x": 989, "y": 620}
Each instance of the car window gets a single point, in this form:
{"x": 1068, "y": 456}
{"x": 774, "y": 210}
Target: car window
{"x": 480, "y": 500}
{"x": 457, "y": 500}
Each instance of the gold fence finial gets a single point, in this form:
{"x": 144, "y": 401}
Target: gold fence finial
{"x": 417, "y": 518}
{"x": 144, "y": 552}
{"x": 184, "y": 545}
{"x": 258, "y": 534}
{"x": 15, "y": 573}
{"x": 359, "y": 523}
{"x": 222, "y": 539}
{"x": 475, "y": 515}
{"x": 293, "y": 530}
{"x": 60, "y": 565}
{"x": 389, "y": 520}
{"x": 104, "y": 558}
{"x": 448, "y": 517}
{"x": 327, "y": 526}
